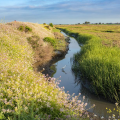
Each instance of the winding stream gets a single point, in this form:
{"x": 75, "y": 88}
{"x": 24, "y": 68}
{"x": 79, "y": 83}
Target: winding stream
{"x": 74, "y": 85}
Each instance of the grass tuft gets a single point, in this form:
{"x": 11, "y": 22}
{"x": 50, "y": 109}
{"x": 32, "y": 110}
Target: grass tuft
{"x": 25, "y": 29}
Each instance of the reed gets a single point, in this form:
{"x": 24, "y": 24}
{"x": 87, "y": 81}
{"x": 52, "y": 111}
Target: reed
{"x": 98, "y": 61}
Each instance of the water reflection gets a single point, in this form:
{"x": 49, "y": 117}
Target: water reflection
{"x": 74, "y": 84}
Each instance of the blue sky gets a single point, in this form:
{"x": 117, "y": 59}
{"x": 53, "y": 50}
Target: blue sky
{"x": 60, "y": 11}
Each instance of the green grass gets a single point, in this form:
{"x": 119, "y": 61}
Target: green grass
{"x": 98, "y": 63}
{"x": 56, "y": 43}
{"x": 55, "y": 30}
{"x": 25, "y": 28}
{"x": 52, "y": 41}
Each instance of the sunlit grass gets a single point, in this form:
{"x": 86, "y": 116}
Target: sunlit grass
{"x": 25, "y": 95}
{"x": 99, "y": 59}
{"x": 55, "y": 30}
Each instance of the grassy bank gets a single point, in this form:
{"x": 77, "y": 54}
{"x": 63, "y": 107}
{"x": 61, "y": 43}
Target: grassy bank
{"x": 25, "y": 95}
{"x": 99, "y": 59}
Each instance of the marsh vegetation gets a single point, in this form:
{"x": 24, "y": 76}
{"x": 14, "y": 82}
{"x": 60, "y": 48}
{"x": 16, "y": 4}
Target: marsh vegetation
{"x": 99, "y": 59}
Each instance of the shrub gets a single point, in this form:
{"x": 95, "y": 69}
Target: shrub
{"x": 28, "y": 29}
{"x": 50, "y": 40}
{"x": 25, "y": 28}
{"x": 44, "y": 23}
{"x": 50, "y": 24}
{"x": 47, "y": 27}
{"x": 33, "y": 41}
{"x": 21, "y": 28}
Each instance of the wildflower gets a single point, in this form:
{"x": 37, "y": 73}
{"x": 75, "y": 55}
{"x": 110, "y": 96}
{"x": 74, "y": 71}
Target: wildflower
{"x": 83, "y": 97}
{"x": 68, "y": 116}
{"x": 48, "y": 104}
{"x": 116, "y": 104}
{"x": 95, "y": 115}
{"x": 88, "y": 116}
{"x": 85, "y": 104}
{"x": 16, "y": 108}
{"x": 26, "y": 108}
{"x": 80, "y": 115}
{"x": 8, "y": 110}
{"x": 61, "y": 109}
{"x": 113, "y": 115}
{"x": 102, "y": 117}
{"x": 4, "y": 110}
{"x": 93, "y": 105}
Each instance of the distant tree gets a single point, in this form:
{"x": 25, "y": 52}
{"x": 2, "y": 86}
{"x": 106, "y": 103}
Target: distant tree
{"x": 50, "y": 24}
{"x": 78, "y": 23}
{"x": 99, "y": 22}
{"x": 86, "y": 22}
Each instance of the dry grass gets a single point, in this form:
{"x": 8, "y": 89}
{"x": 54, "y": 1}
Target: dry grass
{"x": 58, "y": 35}
{"x": 110, "y": 34}
{"x": 37, "y": 28}
{"x": 25, "y": 95}
{"x": 43, "y": 51}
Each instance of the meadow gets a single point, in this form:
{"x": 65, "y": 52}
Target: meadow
{"x": 99, "y": 58}
{"x": 24, "y": 94}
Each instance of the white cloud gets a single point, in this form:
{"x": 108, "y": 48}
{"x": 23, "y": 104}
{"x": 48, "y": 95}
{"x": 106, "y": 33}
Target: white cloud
{"x": 62, "y": 11}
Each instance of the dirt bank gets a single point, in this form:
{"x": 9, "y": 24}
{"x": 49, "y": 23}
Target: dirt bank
{"x": 44, "y": 65}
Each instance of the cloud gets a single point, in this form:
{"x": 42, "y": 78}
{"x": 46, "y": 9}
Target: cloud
{"x": 67, "y": 5}
{"x": 62, "y": 10}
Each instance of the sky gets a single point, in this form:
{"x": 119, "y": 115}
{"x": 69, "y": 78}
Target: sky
{"x": 60, "y": 11}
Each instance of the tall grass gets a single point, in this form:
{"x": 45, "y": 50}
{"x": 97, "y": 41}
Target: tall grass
{"x": 98, "y": 63}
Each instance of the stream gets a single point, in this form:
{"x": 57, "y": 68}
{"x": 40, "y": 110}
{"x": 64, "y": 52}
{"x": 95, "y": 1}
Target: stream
{"x": 73, "y": 85}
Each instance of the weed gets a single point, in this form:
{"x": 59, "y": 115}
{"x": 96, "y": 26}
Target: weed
{"x": 27, "y": 29}
{"x": 24, "y": 28}
{"x": 21, "y": 28}
{"x": 33, "y": 41}
{"x": 52, "y": 41}
{"x": 50, "y": 24}
{"x": 44, "y": 23}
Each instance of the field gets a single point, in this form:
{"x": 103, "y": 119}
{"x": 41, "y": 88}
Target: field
{"x": 99, "y": 59}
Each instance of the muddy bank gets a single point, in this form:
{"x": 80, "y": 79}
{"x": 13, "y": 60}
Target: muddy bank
{"x": 57, "y": 55}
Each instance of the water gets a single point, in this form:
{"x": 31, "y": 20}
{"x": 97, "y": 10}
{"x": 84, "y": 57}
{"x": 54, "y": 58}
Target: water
{"x": 74, "y": 85}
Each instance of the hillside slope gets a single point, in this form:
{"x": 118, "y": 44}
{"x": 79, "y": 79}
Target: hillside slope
{"x": 25, "y": 95}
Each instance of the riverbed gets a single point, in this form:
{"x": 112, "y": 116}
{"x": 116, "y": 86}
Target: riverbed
{"x": 63, "y": 71}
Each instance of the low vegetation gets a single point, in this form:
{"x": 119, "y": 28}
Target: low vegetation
{"x": 24, "y": 28}
{"x": 25, "y": 95}
{"x": 50, "y": 24}
{"x": 99, "y": 59}
{"x": 52, "y": 41}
